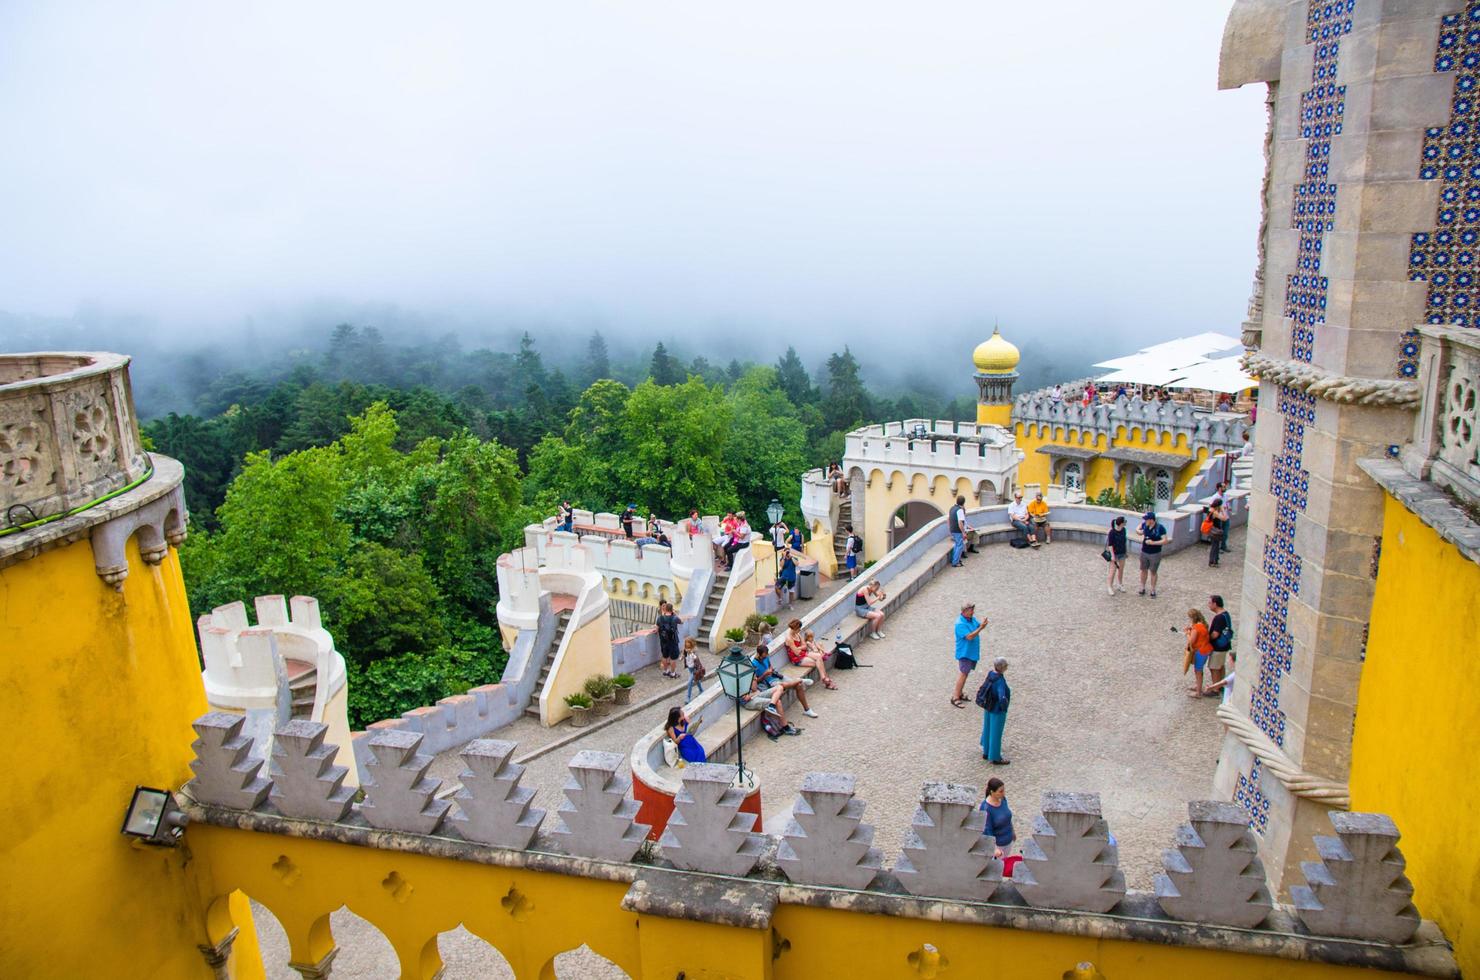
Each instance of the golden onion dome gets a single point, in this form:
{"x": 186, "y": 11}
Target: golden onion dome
{"x": 995, "y": 355}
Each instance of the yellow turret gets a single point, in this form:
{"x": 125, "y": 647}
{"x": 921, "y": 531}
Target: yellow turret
{"x": 996, "y": 362}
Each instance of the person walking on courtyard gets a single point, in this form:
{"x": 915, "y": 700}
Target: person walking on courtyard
{"x": 567, "y": 521}
{"x": 957, "y": 521}
{"x": 999, "y": 817}
{"x": 852, "y": 546}
{"x": 694, "y": 666}
{"x": 1017, "y": 516}
{"x": 678, "y": 729}
{"x": 668, "y": 625}
{"x": 993, "y": 697}
{"x": 1200, "y": 647}
{"x": 1217, "y": 520}
{"x": 968, "y": 650}
{"x": 1115, "y": 544}
{"x": 1221, "y": 492}
{"x": 1038, "y": 514}
{"x": 864, "y": 608}
{"x": 803, "y": 652}
{"x": 1220, "y": 634}
{"x": 1153, "y": 534}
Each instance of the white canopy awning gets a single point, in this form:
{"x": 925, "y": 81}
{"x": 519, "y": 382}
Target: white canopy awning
{"x": 1143, "y": 374}
{"x": 1224, "y": 375}
{"x": 1176, "y": 353}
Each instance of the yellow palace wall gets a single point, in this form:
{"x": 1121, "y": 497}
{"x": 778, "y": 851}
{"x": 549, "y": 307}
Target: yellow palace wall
{"x": 884, "y": 493}
{"x": 1416, "y": 745}
{"x": 1101, "y": 472}
{"x": 101, "y": 688}
{"x": 531, "y": 916}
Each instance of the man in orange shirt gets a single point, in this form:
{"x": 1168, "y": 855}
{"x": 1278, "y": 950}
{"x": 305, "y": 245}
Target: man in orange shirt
{"x": 1038, "y": 514}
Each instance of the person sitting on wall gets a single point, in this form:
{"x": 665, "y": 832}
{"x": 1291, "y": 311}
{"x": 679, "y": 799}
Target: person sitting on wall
{"x": 835, "y": 477}
{"x": 679, "y": 731}
{"x": 739, "y": 539}
{"x": 1038, "y": 514}
{"x": 1017, "y": 515}
{"x": 865, "y": 609}
{"x": 768, "y": 687}
{"x": 803, "y": 652}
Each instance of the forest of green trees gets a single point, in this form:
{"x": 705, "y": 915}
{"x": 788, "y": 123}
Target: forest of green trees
{"x": 386, "y": 480}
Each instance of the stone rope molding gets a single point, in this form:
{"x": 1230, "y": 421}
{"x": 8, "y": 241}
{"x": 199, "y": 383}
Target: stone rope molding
{"x": 1339, "y": 388}
{"x": 1294, "y": 778}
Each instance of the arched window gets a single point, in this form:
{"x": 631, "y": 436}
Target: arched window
{"x": 1073, "y": 476}
{"x": 1163, "y": 483}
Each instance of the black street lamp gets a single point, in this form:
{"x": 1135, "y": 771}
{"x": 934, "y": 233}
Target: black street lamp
{"x": 735, "y": 675}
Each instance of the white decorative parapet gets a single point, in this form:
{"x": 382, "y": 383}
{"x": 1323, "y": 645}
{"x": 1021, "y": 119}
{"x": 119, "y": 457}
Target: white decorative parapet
{"x": 951, "y": 449}
{"x": 1446, "y": 435}
{"x": 819, "y": 502}
{"x": 1356, "y": 891}
{"x": 1039, "y": 413}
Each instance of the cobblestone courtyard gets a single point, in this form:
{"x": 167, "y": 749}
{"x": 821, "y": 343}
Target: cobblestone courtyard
{"x": 1097, "y": 705}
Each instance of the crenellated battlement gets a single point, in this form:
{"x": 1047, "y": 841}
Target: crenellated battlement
{"x": 1041, "y": 415}
{"x": 1354, "y": 912}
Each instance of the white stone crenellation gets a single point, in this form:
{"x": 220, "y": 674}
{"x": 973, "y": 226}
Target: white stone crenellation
{"x": 1039, "y": 414}
{"x": 1357, "y": 891}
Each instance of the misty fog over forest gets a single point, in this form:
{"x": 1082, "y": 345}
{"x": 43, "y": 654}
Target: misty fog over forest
{"x": 396, "y": 280}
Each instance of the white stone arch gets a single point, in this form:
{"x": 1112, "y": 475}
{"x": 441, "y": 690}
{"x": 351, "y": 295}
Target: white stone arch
{"x": 909, "y": 517}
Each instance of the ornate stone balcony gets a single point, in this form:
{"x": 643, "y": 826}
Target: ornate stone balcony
{"x": 1446, "y": 435}
{"x": 67, "y": 433}
{"x": 1041, "y": 415}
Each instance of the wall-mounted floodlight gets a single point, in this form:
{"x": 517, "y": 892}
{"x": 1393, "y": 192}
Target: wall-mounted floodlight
{"x": 154, "y": 818}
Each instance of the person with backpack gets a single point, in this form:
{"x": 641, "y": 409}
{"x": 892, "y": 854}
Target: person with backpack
{"x": 852, "y": 548}
{"x": 993, "y": 697}
{"x": 1153, "y": 536}
{"x": 1213, "y": 527}
{"x": 957, "y": 521}
{"x": 796, "y": 539}
{"x": 668, "y": 625}
{"x": 1220, "y": 632}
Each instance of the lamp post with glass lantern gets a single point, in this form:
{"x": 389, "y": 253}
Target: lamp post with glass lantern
{"x": 735, "y": 674}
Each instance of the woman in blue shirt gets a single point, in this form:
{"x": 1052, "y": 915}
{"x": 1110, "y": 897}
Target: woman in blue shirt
{"x": 999, "y": 816}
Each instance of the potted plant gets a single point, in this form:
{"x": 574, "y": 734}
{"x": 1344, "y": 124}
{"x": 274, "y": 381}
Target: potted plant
{"x": 580, "y": 709}
{"x": 602, "y": 692}
{"x": 624, "y": 684}
{"x": 755, "y": 624}
{"x": 771, "y": 620}
{"x": 735, "y": 635}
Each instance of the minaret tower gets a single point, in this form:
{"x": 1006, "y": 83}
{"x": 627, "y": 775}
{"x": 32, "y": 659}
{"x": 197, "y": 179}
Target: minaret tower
{"x": 996, "y": 361}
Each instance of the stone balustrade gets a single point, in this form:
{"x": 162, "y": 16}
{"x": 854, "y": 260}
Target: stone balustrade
{"x": 950, "y": 448}
{"x": 1356, "y": 891}
{"x": 1446, "y": 434}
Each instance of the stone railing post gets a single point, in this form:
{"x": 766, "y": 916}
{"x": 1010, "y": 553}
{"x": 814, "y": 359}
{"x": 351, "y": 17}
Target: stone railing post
{"x": 945, "y": 854}
{"x": 306, "y": 783}
{"x": 595, "y": 820}
{"x": 398, "y": 793}
{"x": 1214, "y": 874}
{"x": 1357, "y": 889}
{"x": 492, "y": 808}
{"x": 225, "y": 773}
{"x": 826, "y": 841}
{"x": 1070, "y": 863}
{"x": 707, "y": 831}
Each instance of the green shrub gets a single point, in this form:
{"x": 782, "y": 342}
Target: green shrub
{"x": 1110, "y": 497}
{"x": 1142, "y": 496}
{"x": 577, "y": 700}
{"x": 771, "y": 619}
{"x": 624, "y": 680}
{"x": 735, "y": 635}
{"x": 755, "y": 623}
{"x": 599, "y": 686}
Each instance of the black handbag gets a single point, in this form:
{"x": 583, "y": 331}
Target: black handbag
{"x": 1107, "y": 554}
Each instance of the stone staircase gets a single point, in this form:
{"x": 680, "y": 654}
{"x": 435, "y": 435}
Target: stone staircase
{"x": 711, "y": 605}
{"x": 533, "y": 708}
{"x": 303, "y": 682}
{"x": 1243, "y": 474}
{"x": 840, "y": 540}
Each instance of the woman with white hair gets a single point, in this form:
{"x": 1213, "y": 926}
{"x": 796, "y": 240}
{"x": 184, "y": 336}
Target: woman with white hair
{"x": 993, "y": 696}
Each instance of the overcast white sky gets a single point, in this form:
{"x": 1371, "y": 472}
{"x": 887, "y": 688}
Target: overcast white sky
{"x": 842, "y": 166}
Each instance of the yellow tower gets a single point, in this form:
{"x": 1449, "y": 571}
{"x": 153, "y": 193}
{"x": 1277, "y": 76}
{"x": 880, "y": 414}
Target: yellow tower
{"x": 996, "y": 361}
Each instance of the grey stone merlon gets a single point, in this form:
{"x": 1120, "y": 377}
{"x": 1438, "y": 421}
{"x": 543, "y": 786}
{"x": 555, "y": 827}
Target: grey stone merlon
{"x": 1357, "y": 889}
{"x": 491, "y": 807}
{"x": 305, "y": 781}
{"x": 225, "y": 773}
{"x": 826, "y": 841}
{"x": 398, "y": 794}
{"x": 1070, "y": 863}
{"x": 707, "y": 831}
{"x": 595, "y": 820}
{"x": 1214, "y": 874}
{"x": 945, "y": 854}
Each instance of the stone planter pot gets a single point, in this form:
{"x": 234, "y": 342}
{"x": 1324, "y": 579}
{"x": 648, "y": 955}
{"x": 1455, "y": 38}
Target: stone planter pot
{"x": 603, "y": 706}
{"x": 752, "y": 637}
{"x": 579, "y": 717}
{"x": 623, "y": 695}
